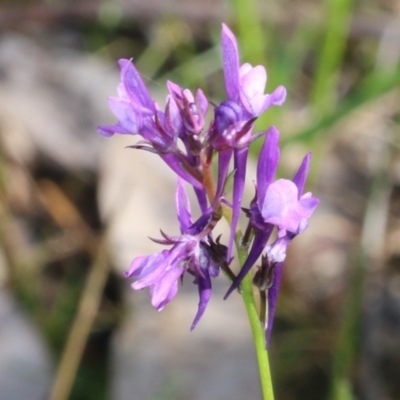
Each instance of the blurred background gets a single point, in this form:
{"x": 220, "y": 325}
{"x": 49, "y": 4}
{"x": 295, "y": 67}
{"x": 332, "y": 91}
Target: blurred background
{"x": 75, "y": 208}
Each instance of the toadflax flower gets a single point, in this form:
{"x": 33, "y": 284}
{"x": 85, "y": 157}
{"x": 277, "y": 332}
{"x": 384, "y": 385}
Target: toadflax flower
{"x": 278, "y": 204}
{"x": 231, "y": 132}
{"x": 193, "y": 252}
{"x": 138, "y": 114}
{"x": 245, "y": 84}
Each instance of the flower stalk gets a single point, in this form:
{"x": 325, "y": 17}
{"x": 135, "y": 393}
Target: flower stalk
{"x": 259, "y": 338}
{"x": 257, "y": 328}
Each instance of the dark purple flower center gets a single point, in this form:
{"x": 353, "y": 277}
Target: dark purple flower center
{"x": 226, "y": 115}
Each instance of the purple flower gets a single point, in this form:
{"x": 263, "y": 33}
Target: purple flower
{"x": 157, "y": 273}
{"x": 285, "y": 208}
{"x": 279, "y": 204}
{"x": 193, "y": 252}
{"x": 192, "y": 108}
{"x": 245, "y": 84}
{"x": 234, "y": 118}
{"x": 133, "y": 104}
{"x": 138, "y": 114}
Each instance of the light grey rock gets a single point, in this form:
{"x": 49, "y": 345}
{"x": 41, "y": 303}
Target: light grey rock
{"x": 51, "y": 103}
{"x": 156, "y": 356}
{"x": 25, "y": 363}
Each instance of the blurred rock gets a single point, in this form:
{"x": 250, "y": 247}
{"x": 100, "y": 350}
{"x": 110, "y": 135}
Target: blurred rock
{"x": 51, "y": 102}
{"x": 25, "y": 364}
{"x": 155, "y": 354}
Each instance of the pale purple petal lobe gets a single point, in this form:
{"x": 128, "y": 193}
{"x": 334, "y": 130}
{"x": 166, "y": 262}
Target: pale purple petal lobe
{"x": 127, "y": 117}
{"x": 282, "y": 208}
{"x": 109, "y": 130}
{"x": 165, "y": 290}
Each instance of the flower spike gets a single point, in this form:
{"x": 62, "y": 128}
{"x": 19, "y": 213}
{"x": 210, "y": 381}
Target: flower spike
{"x": 178, "y": 134}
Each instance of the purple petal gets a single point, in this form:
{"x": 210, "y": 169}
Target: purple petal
{"x": 147, "y": 269}
{"x": 308, "y": 204}
{"x": 134, "y": 86}
{"x": 302, "y": 226}
{"x": 109, "y": 130}
{"x": 302, "y": 173}
{"x": 174, "y": 89}
{"x": 230, "y": 60}
{"x": 172, "y": 161}
{"x": 277, "y": 251}
{"x": 202, "y": 101}
{"x": 253, "y": 82}
{"x": 204, "y": 285}
{"x": 188, "y": 95}
{"x": 182, "y": 206}
{"x": 244, "y": 69}
{"x": 259, "y": 242}
{"x": 240, "y": 162}
{"x": 166, "y": 288}
{"x": 254, "y": 105}
{"x": 267, "y": 163}
{"x": 252, "y": 89}
{"x": 272, "y": 300}
{"x": 173, "y": 119}
{"x": 128, "y": 118}
{"x": 276, "y": 98}
{"x": 282, "y": 208}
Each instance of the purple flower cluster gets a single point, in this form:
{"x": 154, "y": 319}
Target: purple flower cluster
{"x": 179, "y": 135}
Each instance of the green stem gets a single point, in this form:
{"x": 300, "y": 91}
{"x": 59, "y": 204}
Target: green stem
{"x": 246, "y": 286}
{"x": 256, "y": 328}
